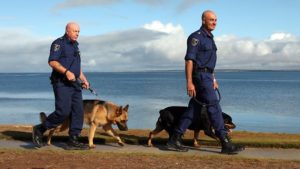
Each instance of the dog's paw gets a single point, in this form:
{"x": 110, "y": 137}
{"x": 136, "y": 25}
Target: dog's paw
{"x": 92, "y": 146}
{"x": 196, "y": 144}
{"x": 121, "y": 144}
{"x": 150, "y": 145}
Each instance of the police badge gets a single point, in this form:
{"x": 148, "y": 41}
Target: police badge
{"x": 56, "y": 47}
{"x": 194, "y": 41}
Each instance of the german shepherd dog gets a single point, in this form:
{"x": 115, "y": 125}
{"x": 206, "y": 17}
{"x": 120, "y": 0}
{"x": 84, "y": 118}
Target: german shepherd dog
{"x": 170, "y": 116}
{"x": 97, "y": 113}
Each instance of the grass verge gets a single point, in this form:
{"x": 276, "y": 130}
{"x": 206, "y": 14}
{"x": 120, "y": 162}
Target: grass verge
{"x": 135, "y": 136}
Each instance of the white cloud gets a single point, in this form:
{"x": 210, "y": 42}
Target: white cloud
{"x": 172, "y": 44}
{"x": 155, "y": 45}
{"x": 23, "y": 51}
{"x": 280, "y": 51}
{"x": 281, "y": 36}
{"x": 160, "y": 27}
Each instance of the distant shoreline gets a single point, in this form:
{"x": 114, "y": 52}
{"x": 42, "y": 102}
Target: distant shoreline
{"x": 169, "y": 70}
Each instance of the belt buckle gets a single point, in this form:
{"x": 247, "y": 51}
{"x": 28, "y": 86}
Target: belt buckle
{"x": 208, "y": 70}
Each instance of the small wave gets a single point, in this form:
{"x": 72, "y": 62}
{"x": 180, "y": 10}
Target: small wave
{"x": 22, "y": 74}
{"x": 259, "y": 80}
{"x": 36, "y": 95}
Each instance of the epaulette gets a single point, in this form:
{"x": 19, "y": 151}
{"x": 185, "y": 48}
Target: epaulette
{"x": 59, "y": 40}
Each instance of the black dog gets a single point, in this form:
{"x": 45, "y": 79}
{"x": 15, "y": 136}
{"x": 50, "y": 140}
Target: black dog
{"x": 170, "y": 116}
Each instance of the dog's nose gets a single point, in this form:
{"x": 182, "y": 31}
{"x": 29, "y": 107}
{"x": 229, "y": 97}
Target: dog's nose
{"x": 122, "y": 126}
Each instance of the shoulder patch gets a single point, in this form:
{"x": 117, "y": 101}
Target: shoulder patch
{"x": 194, "y": 41}
{"x": 56, "y": 47}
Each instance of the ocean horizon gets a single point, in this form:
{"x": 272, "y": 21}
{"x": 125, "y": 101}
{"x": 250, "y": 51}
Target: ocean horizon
{"x": 257, "y": 100}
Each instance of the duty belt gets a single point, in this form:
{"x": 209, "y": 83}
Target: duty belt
{"x": 206, "y": 70}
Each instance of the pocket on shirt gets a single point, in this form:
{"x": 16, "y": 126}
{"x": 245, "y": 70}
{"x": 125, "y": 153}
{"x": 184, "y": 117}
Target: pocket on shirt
{"x": 206, "y": 47}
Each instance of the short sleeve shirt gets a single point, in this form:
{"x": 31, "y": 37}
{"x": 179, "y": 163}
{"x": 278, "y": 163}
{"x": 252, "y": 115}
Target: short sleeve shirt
{"x": 201, "y": 48}
{"x": 67, "y": 54}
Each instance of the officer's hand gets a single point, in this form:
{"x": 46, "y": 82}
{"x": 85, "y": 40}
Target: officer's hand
{"x": 191, "y": 90}
{"x": 85, "y": 85}
{"x": 216, "y": 86}
{"x": 70, "y": 76}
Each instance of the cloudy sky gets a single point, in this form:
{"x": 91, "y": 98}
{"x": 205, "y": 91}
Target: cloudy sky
{"x": 138, "y": 35}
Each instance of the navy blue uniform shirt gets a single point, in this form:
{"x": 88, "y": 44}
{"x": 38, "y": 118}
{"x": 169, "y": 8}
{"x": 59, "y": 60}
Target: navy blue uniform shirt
{"x": 67, "y": 53}
{"x": 201, "y": 48}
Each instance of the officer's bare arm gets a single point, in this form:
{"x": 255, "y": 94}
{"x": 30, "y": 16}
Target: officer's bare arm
{"x": 189, "y": 70}
{"x": 85, "y": 83}
{"x": 61, "y": 69}
{"x": 191, "y": 90}
{"x": 216, "y": 85}
{"x": 82, "y": 77}
{"x": 58, "y": 67}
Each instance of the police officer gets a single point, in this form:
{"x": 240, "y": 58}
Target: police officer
{"x": 65, "y": 61}
{"x": 200, "y": 61}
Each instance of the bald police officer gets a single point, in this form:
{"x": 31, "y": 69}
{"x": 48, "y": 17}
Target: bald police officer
{"x": 65, "y": 61}
{"x": 199, "y": 66}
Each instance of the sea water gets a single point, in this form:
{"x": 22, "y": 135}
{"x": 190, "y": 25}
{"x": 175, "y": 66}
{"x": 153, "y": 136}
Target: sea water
{"x": 262, "y": 101}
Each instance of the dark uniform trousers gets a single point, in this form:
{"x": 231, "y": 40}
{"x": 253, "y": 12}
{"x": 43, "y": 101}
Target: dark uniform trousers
{"x": 68, "y": 104}
{"x": 203, "y": 82}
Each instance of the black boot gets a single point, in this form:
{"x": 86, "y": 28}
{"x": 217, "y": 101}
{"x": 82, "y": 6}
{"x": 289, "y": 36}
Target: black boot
{"x": 37, "y": 135}
{"x": 175, "y": 143}
{"x": 229, "y": 148}
{"x": 74, "y": 144}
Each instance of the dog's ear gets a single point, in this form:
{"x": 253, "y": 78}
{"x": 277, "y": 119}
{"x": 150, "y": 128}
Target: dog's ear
{"x": 119, "y": 111}
{"x": 126, "y": 108}
{"x": 226, "y": 116}
{"x": 43, "y": 117}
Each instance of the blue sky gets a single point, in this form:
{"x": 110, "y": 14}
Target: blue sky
{"x": 127, "y": 35}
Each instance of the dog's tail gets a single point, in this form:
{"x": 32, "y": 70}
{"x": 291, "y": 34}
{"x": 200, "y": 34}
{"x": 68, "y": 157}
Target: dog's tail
{"x": 43, "y": 117}
{"x": 211, "y": 134}
{"x": 166, "y": 118}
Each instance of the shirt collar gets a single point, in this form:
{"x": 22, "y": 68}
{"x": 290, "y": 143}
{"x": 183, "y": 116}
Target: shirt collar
{"x": 206, "y": 32}
{"x": 68, "y": 39}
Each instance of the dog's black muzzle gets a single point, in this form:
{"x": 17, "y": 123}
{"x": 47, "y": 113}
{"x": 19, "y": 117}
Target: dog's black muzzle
{"x": 122, "y": 126}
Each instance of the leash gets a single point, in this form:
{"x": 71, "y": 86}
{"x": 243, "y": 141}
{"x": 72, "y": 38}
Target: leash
{"x": 204, "y": 104}
{"x": 78, "y": 83}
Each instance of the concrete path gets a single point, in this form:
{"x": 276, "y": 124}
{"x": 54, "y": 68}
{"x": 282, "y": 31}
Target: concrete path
{"x": 264, "y": 153}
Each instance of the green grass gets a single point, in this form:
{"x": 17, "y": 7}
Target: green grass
{"x": 249, "y": 139}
